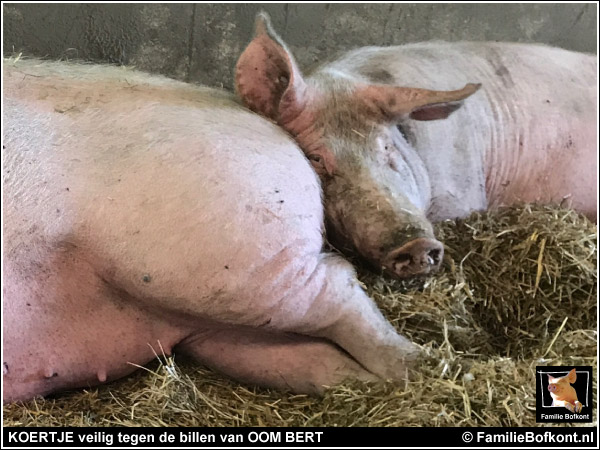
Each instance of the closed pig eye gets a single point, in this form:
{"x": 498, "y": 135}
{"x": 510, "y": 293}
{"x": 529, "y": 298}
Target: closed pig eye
{"x": 402, "y": 129}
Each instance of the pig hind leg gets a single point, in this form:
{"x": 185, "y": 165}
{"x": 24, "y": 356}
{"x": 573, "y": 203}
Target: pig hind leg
{"x": 331, "y": 304}
{"x": 285, "y": 361}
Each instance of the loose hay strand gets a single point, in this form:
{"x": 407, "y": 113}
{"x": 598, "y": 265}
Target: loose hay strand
{"x": 562, "y": 325}
{"x": 540, "y": 267}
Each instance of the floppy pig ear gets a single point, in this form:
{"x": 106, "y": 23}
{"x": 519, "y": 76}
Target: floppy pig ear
{"x": 267, "y": 78}
{"x": 393, "y": 103}
{"x": 572, "y": 376}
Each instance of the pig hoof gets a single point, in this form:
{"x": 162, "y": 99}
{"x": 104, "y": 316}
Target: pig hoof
{"x": 403, "y": 369}
{"x": 578, "y": 407}
{"x": 364, "y": 376}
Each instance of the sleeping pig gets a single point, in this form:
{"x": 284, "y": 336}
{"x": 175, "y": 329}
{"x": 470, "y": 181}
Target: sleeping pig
{"x": 408, "y": 135}
{"x": 143, "y": 213}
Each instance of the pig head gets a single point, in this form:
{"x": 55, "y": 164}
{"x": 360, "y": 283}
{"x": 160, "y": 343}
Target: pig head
{"x": 376, "y": 187}
{"x": 563, "y": 394}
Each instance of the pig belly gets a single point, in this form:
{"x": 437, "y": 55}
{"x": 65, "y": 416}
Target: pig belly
{"x": 546, "y": 157}
{"x": 554, "y": 177}
{"x": 65, "y": 328}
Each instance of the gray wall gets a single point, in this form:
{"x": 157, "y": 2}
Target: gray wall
{"x": 201, "y": 42}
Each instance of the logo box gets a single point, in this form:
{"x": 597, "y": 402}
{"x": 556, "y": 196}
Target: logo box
{"x": 547, "y": 411}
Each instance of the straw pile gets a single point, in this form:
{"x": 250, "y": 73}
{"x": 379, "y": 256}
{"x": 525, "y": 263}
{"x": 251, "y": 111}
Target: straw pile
{"x": 518, "y": 289}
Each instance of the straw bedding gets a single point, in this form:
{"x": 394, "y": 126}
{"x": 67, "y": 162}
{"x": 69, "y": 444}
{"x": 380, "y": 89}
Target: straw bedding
{"x": 518, "y": 289}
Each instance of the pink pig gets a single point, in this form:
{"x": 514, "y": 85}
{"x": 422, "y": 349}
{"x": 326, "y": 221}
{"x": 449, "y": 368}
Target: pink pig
{"x": 407, "y": 135}
{"x": 563, "y": 394}
{"x": 143, "y": 212}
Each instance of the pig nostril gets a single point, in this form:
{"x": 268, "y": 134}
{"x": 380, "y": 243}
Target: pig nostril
{"x": 403, "y": 259}
{"x": 433, "y": 257}
{"x": 420, "y": 256}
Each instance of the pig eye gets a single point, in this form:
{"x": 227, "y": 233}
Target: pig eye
{"x": 316, "y": 158}
{"x": 402, "y": 131}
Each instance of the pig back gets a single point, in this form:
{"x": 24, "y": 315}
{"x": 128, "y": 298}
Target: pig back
{"x": 527, "y": 135}
{"x": 168, "y": 189}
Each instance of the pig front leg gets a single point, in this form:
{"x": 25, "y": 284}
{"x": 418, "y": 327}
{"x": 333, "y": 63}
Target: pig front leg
{"x": 574, "y": 407}
{"x": 284, "y": 361}
{"x": 333, "y": 306}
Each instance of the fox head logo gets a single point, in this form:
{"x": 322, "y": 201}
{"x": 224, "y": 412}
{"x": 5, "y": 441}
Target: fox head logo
{"x": 563, "y": 394}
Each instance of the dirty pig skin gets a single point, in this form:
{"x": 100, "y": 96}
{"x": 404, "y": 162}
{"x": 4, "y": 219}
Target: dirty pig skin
{"x": 408, "y": 135}
{"x": 143, "y": 212}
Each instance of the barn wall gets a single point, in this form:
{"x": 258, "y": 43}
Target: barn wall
{"x": 201, "y": 42}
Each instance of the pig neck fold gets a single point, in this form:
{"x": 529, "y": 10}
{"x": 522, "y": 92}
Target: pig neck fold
{"x": 299, "y": 122}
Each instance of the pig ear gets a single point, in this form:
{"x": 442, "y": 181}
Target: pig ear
{"x": 394, "y": 103}
{"x": 572, "y": 376}
{"x": 550, "y": 378}
{"x": 267, "y": 78}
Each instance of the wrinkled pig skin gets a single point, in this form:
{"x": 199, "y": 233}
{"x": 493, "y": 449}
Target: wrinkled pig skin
{"x": 408, "y": 135}
{"x": 143, "y": 213}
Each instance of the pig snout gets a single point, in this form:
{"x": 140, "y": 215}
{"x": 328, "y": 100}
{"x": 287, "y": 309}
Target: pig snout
{"x": 552, "y": 388}
{"x": 420, "y": 256}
